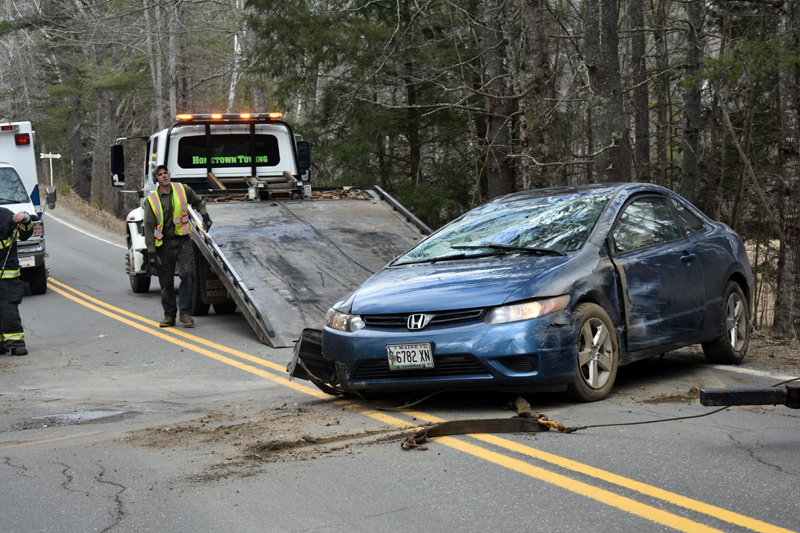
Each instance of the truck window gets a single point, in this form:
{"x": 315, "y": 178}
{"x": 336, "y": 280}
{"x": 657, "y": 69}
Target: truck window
{"x": 230, "y": 150}
{"x": 11, "y": 188}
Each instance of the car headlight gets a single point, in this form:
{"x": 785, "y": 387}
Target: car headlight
{"x": 525, "y": 311}
{"x": 343, "y": 322}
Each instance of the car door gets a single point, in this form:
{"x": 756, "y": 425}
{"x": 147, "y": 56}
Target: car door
{"x": 661, "y": 274}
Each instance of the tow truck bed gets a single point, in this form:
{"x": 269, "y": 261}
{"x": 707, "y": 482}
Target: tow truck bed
{"x": 286, "y": 262}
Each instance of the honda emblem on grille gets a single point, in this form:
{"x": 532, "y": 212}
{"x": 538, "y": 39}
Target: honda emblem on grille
{"x": 417, "y": 321}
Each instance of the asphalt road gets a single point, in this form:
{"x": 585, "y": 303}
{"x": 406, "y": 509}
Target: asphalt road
{"x": 112, "y": 424}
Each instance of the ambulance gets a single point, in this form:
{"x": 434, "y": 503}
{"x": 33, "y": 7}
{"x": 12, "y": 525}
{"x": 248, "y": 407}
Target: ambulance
{"x": 19, "y": 191}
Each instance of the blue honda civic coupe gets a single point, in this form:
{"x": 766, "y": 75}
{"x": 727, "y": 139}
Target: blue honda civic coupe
{"x": 543, "y": 290}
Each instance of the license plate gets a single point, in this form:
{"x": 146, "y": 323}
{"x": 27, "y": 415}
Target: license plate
{"x": 26, "y": 262}
{"x": 405, "y": 356}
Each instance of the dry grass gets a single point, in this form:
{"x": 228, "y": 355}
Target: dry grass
{"x": 93, "y": 215}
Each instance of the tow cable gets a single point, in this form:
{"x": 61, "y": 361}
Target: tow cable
{"x": 524, "y": 421}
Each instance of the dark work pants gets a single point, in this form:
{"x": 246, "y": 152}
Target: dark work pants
{"x": 11, "y": 291}
{"x": 176, "y": 250}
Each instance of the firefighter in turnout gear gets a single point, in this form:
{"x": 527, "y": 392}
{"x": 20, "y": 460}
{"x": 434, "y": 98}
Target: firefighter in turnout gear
{"x": 13, "y": 227}
{"x": 166, "y": 234}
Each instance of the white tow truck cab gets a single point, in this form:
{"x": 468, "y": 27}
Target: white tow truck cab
{"x": 252, "y": 155}
{"x": 19, "y": 191}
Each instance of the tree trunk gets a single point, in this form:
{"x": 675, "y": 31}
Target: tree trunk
{"x": 544, "y": 94}
{"x": 662, "y": 91}
{"x": 154, "y": 57}
{"x": 787, "y": 303}
{"x": 172, "y": 62}
{"x": 498, "y": 173}
{"x": 641, "y": 96}
{"x": 79, "y": 151}
{"x": 693, "y": 112}
{"x": 106, "y": 133}
{"x": 613, "y": 149}
{"x": 714, "y": 176}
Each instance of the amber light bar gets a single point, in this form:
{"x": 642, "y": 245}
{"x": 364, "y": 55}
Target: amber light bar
{"x": 223, "y": 117}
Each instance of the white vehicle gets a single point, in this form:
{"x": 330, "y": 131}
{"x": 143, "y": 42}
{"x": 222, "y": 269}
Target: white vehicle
{"x": 19, "y": 191}
{"x": 272, "y": 249}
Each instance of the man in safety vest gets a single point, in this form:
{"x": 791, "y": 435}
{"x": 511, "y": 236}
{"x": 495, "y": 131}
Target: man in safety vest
{"x": 13, "y": 227}
{"x": 166, "y": 234}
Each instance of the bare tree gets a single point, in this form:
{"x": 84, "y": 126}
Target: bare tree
{"x": 692, "y": 108}
{"x": 787, "y": 305}
{"x": 601, "y": 41}
{"x": 547, "y": 117}
{"x": 641, "y": 96}
{"x": 498, "y": 108}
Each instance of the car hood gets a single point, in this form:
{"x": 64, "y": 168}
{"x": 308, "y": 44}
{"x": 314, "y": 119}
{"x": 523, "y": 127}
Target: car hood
{"x": 442, "y": 286}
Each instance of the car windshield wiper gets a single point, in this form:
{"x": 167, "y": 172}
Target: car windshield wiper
{"x": 509, "y": 247}
{"x": 9, "y": 201}
{"x": 455, "y": 257}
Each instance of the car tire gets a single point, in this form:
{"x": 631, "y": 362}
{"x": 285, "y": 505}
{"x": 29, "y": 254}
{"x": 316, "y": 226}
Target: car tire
{"x": 38, "y": 279}
{"x": 597, "y": 355}
{"x": 140, "y": 284}
{"x": 731, "y": 346}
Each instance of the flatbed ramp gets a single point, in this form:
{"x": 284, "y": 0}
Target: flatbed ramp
{"x": 286, "y": 262}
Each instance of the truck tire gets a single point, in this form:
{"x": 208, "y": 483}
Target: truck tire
{"x": 199, "y": 307}
{"x": 38, "y": 279}
{"x": 225, "y": 308}
{"x": 140, "y": 284}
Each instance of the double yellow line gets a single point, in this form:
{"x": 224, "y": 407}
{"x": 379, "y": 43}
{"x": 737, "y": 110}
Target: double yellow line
{"x": 211, "y": 349}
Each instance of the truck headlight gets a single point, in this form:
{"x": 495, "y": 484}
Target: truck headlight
{"x": 342, "y": 321}
{"x": 526, "y": 310}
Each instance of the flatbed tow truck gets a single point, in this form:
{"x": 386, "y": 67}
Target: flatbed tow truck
{"x": 279, "y": 250}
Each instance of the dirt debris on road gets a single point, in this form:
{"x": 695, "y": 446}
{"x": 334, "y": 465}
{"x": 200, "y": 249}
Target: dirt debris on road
{"x": 236, "y": 444}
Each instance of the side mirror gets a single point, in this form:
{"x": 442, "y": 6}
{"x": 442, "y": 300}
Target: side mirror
{"x": 116, "y": 161}
{"x": 303, "y": 155}
{"x": 50, "y": 197}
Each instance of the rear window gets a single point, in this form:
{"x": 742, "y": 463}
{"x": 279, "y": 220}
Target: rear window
{"x": 231, "y": 150}
{"x": 12, "y": 191}
{"x": 690, "y": 222}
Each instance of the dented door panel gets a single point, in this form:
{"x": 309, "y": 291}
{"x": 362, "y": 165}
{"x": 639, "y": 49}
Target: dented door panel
{"x": 663, "y": 294}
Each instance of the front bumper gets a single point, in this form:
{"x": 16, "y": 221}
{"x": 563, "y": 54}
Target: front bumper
{"x": 31, "y": 249}
{"x": 538, "y": 354}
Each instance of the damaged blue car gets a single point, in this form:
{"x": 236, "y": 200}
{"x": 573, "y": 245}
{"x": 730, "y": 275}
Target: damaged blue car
{"x": 543, "y": 290}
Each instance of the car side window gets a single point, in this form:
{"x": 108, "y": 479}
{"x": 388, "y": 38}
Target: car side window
{"x": 645, "y": 222}
{"x": 691, "y": 222}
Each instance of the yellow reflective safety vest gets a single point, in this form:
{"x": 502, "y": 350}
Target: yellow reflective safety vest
{"x": 180, "y": 213}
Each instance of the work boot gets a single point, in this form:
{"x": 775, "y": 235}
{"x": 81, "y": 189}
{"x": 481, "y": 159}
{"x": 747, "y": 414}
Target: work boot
{"x": 168, "y": 322}
{"x": 19, "y": 351}
{"x": 186, "y": 320}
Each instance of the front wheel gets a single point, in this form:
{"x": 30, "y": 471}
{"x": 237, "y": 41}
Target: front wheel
{"x": 598, "y": 355}
{"x": 38, "y": 279}
{"x": 730, "y": 347}
{"x": 140, "y": 284}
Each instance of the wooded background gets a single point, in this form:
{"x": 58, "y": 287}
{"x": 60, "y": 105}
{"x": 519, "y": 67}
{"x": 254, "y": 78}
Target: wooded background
{"x": 445, "y": 104}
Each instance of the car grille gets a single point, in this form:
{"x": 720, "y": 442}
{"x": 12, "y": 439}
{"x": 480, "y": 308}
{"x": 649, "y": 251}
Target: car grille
{"x": 444, "y": 317}
{"x": 447, "y": 366}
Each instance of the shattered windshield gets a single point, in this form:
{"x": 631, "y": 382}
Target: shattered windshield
{"x": 558, "y": 224}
